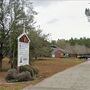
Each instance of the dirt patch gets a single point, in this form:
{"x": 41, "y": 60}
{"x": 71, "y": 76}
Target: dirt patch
{"x": 2, "y": 75}
{"x": 49, "y": 67}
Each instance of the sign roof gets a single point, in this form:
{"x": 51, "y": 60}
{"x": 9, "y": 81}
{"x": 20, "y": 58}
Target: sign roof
{"x": 24, "y": 38}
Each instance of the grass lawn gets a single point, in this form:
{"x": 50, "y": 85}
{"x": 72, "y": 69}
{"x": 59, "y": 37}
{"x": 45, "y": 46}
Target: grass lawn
{"x": 47, "y": 67}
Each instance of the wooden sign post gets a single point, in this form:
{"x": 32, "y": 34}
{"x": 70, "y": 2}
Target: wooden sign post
{"x": 23, "y": 50}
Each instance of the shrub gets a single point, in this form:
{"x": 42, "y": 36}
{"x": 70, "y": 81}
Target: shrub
{"x": 24, "y": 76}
{"x": 33, "y": 70}
{"x": 25, "y": 73}
{"x": 36, "y": 71}
{"x": 11, "y": 75}
{"x": 25, "y": 68}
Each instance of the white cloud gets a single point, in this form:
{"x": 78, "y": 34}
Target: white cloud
{"x": 64, "y": 19}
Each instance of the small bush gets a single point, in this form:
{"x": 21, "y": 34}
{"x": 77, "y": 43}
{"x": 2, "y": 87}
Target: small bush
{"x": 33, "y": 70}
{"x": 25, "y": 68}
{"x": 36, "y": 71}
{"x": 11, "y": 75}
{"x": 24, "y": 76}
{"x": 25, "y": 73}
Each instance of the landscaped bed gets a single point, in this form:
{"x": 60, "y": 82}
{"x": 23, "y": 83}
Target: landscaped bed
{"x": 47, "y": 67}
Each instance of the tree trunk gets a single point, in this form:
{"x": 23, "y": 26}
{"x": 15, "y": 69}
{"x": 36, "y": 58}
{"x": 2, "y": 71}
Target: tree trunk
{"x": 1, "y": 56}
{"x": 11, "y": 62}
{"x": 35, "y": 57}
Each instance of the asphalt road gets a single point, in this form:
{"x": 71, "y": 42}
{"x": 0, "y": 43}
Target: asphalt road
{"x": 75, "y": 78}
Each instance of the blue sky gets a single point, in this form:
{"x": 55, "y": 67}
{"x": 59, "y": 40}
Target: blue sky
{"x": 63, "y": 19}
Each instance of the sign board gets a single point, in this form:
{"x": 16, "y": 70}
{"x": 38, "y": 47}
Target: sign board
{"x": 23, "y": 50}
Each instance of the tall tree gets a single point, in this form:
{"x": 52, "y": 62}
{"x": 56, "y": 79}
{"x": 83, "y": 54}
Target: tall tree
{"x": 21, "y": 15}
{"x": 39, "y": 46}
{"x": 3, "y": 28}
{"x": 13, "y": 16}
{"x": 61, "y": 43}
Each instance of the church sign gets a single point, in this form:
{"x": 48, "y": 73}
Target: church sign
{"x": 23, "y": 50}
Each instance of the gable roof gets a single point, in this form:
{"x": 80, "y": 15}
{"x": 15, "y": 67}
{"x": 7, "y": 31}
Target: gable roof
{"x": 23, "y": 35}
{"x": 58, "y": 49}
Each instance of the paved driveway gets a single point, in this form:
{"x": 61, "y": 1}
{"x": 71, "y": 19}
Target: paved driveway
{"x": 75, "y": 78}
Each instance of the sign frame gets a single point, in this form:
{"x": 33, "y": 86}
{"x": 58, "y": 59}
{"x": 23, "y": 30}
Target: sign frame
{"x": 23, "y": 50}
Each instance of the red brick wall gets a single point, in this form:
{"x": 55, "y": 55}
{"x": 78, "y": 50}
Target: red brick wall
{"x": 58, "y": 54}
